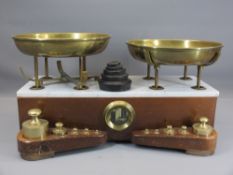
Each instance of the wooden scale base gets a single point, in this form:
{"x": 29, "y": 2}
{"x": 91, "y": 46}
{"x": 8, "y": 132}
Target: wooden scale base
{"x": 148, "y": 110}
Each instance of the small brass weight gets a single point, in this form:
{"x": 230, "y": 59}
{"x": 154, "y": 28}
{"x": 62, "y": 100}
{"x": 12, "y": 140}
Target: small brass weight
{"x": 35, "y": 128}
{"x": 59, "y": 130}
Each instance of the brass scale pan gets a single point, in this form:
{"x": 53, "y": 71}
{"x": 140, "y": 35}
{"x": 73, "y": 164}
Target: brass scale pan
{"x": 61, "y": 45}
{"x": 158, "y": 52}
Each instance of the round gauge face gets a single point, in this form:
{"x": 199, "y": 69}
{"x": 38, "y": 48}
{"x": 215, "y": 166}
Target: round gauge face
{"x": 119, "y": 115}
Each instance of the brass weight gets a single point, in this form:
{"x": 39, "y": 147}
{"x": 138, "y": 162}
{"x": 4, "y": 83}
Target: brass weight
{"x": 202, "y": 128}
{"x": 35, "y": 128}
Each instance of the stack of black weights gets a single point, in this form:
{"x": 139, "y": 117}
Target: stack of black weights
{"x": 114, "y": 78}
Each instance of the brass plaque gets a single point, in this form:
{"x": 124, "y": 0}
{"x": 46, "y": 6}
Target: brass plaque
{"x": 119, "y": 115}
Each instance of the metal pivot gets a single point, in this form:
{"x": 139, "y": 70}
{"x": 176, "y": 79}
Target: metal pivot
{"x": 46, "y": 69}
{"x": 82, "y": 74}
{"x": 156, "y": 85}
{"x": 63, "y": 74}
{"x": 148, "y": 77}
{"x": 185, "y": 76}
{"x": 198, "y": 86}
{"x": 38, "y": 84}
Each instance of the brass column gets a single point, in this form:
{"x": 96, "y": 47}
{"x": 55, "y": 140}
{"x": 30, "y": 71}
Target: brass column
{"x": 84, "y": 64}
{"x": 198, "y": 85}
{"x": 46, "y": 69}
{"x": 156, "y": 84}
{"x": 82, "y": 74}
{"x": 185, "y": 76}
{"x": 148, "y": 77}
{"x": 38, "y": 84}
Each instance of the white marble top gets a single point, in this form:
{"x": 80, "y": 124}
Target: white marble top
{"x": 173, "y": 87}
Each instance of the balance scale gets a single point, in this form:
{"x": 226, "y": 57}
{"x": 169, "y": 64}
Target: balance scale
{"x": 86, "y": 111}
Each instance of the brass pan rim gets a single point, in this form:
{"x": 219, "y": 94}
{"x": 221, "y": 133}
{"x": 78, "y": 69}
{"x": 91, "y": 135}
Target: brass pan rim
{"x": 88, "y": 36}
{"x": 138, "y": 43}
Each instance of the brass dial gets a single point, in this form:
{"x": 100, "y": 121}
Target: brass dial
{"x": 119, "y": 115}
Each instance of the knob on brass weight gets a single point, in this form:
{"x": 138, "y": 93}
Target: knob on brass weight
{"x": 202, "y": 128}
{"x": 169, "y": 130}
{"x": 35, "y": 128}
{"x": 74, "y": 131}
{"x": 183, "y": 130}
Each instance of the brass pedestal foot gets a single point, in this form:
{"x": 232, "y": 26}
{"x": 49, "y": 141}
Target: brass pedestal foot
{"x": 37, "y": 87}
{"x": 198, "y": 87}
{"x": 185, "y": 76}
{"x": 46, "y": 78}
{"x": 156, "y": 87}
{"x": 148, "y": 77}
{"x": 81, "y": 87}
